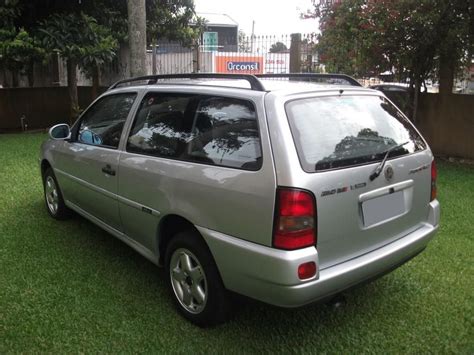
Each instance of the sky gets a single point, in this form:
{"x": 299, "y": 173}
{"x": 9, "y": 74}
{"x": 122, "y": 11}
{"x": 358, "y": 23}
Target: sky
{"x": 271, "y": 17}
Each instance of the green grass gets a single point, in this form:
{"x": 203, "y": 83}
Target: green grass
{"x": 70, "y": 287}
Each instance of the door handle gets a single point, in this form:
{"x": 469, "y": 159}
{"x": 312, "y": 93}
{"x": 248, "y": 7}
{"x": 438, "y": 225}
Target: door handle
{"x": 108, "y": 170}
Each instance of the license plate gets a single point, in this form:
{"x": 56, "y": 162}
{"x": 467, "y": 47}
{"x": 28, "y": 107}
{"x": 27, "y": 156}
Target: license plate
{"x": 383, "y": 208}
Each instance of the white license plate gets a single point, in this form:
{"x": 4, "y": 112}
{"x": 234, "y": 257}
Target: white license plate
{"x": 383, "y": 208}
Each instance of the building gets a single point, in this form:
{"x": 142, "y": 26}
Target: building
{"x": 221, "y": 34}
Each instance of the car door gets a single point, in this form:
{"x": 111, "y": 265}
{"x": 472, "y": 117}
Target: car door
{"x": 88, "y": 164}
{"x": 198, "y": 156}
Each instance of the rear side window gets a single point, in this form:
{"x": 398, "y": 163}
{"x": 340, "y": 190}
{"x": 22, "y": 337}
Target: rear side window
{"x": 227, "y": 133}
{"x": 206, "y": 129}
{"x": 160, "y": 128}
{"x": 341, "y": 131}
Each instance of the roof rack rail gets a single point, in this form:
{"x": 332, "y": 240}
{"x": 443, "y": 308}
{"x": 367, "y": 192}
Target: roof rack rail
{"x": 310, "y": 76}
{"x": 255, "y": 84}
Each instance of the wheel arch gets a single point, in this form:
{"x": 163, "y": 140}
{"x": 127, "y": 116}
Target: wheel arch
{"x": 169, "y": 226}
{"x": 45, "y": 164}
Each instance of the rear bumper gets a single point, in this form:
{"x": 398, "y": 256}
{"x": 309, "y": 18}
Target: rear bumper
{"x": 270, "y": 275}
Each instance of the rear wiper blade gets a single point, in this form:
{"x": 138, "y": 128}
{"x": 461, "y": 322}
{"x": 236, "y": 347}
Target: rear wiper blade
{"x": 379, "y": 168}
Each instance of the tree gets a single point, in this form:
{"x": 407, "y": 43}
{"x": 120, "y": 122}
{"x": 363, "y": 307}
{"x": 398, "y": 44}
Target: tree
{"x": 102, "y": 52}
{"x": 18, "y": 49}
{"x": 164, "y": 19}
{"x": 80, "y": 40}
{"x": 171, "y": 20}
{"x": 456, "y": 32}
{"x": 411, "y": 38}
{"x": 21, "y": 20}
{"x": 278, "y": 47}
{"x": 137, "y": 36}
{"x": 168, "y": 18}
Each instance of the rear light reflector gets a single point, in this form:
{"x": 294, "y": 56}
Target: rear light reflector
{"x": 307, "y": 270}
{"x": 295, "y": 219}
{"x": 434, "y": 176}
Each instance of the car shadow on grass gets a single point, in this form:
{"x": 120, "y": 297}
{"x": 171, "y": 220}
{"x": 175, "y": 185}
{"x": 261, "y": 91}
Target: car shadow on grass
{"x": 82, "y": 242}
{"x": 140, "y": 286}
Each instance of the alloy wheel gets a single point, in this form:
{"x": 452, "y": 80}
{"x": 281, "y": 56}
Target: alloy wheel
{"x": 188, "y": 280}
{"x": 51, "y": 194}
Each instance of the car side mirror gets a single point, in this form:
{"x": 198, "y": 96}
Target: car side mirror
{"x": 60, "y": 132}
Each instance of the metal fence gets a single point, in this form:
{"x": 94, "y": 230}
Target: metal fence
{"x": 244, "y": 55}
{"x": 239, "y": 55}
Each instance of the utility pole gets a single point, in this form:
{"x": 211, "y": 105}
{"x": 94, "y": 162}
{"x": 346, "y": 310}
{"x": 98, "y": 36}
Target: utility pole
{"x": 252, "y": 47}
{"x": 137, "y": 36}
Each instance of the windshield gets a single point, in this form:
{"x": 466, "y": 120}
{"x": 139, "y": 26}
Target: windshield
{"x": 341, "y": 131}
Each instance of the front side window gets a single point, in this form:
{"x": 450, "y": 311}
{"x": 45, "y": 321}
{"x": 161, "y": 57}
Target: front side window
{"x": 102, "y": 124}
{"x": 341, "y": 131}
{"x": 201, "y": 128}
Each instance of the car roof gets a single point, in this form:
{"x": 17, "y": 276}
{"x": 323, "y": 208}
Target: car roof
{"x": 390, "y": 85}
{"x": 232, "y": 87}
{"x": 275, "y": 83}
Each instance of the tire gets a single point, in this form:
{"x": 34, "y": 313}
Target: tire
{"x": 194, "y": 280}
{"x": 53, "y": 197}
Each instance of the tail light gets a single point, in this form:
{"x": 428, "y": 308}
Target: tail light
{"x": 295, "y": 219}
{"x": 434, "y": 175}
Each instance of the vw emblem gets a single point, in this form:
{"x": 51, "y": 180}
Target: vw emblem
{"x": 388, "y": 173}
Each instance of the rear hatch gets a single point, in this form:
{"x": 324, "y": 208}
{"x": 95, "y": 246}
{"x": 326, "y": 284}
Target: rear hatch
{"x": 343, "y": 141}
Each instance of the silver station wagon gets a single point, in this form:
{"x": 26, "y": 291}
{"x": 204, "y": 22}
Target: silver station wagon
{"x": 284, "y": 188}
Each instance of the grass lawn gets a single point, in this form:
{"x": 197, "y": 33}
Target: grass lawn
{"x": 70, "y": 287}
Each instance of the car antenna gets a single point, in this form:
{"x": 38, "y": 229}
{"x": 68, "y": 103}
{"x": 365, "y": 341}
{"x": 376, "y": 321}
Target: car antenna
{"x": 341, "y": 91}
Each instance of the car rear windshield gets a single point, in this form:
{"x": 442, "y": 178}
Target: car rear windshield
{"x": 334, "y": 132}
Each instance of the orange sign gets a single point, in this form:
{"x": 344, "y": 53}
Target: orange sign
{"x": 239, "y": 64}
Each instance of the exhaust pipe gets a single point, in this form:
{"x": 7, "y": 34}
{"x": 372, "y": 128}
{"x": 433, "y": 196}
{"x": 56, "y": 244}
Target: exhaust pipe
{"x": 338, "y": 301}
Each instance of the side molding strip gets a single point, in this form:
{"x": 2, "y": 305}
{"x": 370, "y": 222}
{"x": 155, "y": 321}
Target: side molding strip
{"x": 111, "y": 195}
